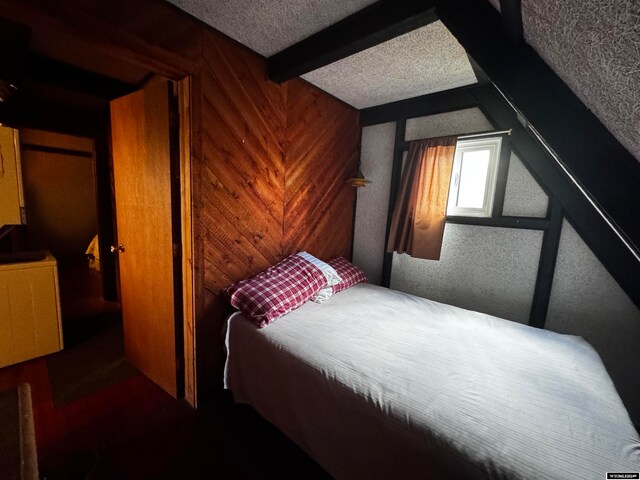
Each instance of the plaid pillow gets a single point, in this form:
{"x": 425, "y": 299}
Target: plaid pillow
{"x": 349, "y": 273}
{"x": 276, "y": 291}
{"x": 332, "y": 276}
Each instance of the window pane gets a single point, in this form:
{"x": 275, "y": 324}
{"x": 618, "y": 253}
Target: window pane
{"x": 473, "y": 178}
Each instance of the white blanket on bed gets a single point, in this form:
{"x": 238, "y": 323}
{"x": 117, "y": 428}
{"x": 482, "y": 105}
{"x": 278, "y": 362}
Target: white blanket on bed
{"x": 376, "y": 383}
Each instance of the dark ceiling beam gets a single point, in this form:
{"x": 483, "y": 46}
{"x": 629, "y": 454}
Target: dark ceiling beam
{"x": 51, "y": 72}
{"x": 593, "y": 156}
{"x": 432, "y": 104}
{"x": 375, "y": 24}
{"x": 511, "y": 12}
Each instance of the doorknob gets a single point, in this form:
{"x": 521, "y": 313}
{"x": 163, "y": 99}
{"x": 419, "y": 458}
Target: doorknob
{"x": 119, "y": 248}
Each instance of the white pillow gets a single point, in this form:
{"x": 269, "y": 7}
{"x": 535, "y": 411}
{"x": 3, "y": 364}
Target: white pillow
{"x": 325, "y": 294}
{"x": 329, "y": 272}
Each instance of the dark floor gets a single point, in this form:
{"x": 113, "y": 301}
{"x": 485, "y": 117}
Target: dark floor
{"x": 134, "y": 430}
{"x": 83, "y": 306}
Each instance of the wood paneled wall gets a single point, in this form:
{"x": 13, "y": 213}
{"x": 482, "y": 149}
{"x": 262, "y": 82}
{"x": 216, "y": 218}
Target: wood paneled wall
{"x": 321, "y": 154}
{"x": 239, "y": 222}
{"x": 269, "y": 162}
{"x": 273, "y": 176}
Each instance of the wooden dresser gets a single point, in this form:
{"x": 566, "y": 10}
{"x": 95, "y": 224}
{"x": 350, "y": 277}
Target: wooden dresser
{"x": 30, "y": 324}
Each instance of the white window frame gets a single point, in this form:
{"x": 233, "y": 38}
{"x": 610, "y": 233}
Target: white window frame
{"x": 493, "y": 144}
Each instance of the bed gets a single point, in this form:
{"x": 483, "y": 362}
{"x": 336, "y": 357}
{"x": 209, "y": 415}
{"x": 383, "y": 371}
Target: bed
{"x": 375, "y": 383}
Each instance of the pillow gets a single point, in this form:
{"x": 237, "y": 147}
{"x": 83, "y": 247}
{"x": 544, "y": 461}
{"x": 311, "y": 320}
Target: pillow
{"x": 325, "y": 294}
{"x": 349, "y": 273}
{"x": 276, "y": 291}
{"x": 329, "y": 272}
{"x": 332, "y": 277}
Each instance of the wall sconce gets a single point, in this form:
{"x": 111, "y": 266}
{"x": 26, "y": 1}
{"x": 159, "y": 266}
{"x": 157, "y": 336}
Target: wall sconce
{"x": 358, "y": 179}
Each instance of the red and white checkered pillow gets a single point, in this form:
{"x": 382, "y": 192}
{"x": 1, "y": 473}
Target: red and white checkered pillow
{"x": 276, "y": 291}
{"x": 349, "y": 273}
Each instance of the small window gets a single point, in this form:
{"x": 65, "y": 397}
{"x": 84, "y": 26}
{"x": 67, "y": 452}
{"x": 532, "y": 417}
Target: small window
{"x": 473, "y": 178}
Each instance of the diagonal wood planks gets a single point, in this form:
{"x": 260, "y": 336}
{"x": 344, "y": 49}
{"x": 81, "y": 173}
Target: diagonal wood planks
{"x": 321, "y": 154}
{"x": 271, "y": 180}
{"x": 242, "y": 171}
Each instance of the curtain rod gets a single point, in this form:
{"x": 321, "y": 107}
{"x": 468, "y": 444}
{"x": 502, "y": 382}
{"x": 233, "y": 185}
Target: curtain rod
{"x": 485, "y": 134}
{"x": 405, "y": 145}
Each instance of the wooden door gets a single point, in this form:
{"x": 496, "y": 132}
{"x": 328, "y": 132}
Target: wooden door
{"x": 142, "y": 180}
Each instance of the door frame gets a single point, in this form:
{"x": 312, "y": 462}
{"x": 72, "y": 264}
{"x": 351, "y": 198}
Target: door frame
{"x": 125, "y": 47}
{"x": 186, "y": 223}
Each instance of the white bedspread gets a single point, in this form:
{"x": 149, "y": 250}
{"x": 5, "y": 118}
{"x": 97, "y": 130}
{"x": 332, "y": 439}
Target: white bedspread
{"x": 376, "y": 383}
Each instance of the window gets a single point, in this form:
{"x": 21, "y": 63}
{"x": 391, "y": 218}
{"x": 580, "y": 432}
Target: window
{"x": 473, "y": 178}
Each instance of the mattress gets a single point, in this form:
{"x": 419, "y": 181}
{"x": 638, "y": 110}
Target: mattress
{"x": 375, "y": 383}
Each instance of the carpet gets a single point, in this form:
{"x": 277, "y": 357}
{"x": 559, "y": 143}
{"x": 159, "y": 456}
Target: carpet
{"x": 89, "y": 367}
{"x": 18, "y": 457}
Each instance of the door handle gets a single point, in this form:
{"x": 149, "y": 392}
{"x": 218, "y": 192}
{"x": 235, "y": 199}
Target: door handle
{"x": 118, "y": 249}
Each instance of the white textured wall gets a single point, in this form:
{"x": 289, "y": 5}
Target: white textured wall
{"x": 481, "y": 267}
{"x": 523, "y": 196}
{"x": 376, "y": 157}
{"x": 587, "y": 301}
{"x": 376, "y": 160}
{"x": 470, "y": 120}
{"x": 487, "y": 269}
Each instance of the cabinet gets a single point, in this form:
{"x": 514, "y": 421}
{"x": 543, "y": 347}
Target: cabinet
{"x": 30, "y": 324}
{"x": 11, "y": 197}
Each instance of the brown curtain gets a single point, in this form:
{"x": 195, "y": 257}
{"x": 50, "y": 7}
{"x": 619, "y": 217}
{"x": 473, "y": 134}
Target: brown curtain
{"x": 417, "y": 225}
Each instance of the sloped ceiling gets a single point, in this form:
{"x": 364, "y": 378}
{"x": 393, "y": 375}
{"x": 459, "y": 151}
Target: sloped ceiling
{"x": 424, "y": 61}
{"x": 594, "y": 46}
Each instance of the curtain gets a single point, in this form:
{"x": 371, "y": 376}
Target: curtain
{"x": 418, "y": 220}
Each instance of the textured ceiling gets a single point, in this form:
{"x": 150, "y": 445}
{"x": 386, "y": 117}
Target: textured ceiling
{"x": 594, "y": 46}
{"x": 424, "y": 61}
{"x": 269, "y": 26}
